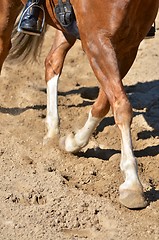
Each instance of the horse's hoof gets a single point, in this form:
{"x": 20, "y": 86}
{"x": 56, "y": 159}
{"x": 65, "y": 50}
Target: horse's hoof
{"x": 132, "y": 199}
{"x": 69, "y": 144}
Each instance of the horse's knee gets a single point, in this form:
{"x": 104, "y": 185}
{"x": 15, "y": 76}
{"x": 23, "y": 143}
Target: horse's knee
{"x": 48, "y": 65}
{"x": 122, "y": 112}
{"x": 53, "y": 66}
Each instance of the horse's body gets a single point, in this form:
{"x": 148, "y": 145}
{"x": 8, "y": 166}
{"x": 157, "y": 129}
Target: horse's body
{"x": 110, "y": 32}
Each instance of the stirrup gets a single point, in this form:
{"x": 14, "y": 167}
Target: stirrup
{"x": 19, "y": 29}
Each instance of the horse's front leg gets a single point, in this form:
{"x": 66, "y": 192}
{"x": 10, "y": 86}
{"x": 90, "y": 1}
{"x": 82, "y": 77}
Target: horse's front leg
{"x": 131, "y": 191}
{"x": 53, "y": 68}
{"x": 106, "y": 67}
{"x": 9, "y": 11}
{"x": 76, "y": 141}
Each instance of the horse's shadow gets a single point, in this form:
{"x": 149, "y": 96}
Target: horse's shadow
{"x": 148, "y": 151}
{"x": 103, "y": 154}
{"x": 152, "y": 195}
{"x": 17, "y": 111}
{"x": 145, "y": 96}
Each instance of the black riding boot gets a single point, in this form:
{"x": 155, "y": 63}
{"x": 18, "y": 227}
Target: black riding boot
{"x": 30, "y": 22}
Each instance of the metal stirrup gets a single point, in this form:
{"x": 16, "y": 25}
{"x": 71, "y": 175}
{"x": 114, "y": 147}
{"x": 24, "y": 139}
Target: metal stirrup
{"x": 23, "y": 14}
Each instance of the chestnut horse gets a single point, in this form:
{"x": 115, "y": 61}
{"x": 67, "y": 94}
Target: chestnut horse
{"x": 110, "y": 33}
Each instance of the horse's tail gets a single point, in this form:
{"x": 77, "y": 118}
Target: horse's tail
{"x": 25, "y": 48}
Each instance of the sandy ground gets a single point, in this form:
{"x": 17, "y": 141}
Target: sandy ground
{"x": 50, "y": 195}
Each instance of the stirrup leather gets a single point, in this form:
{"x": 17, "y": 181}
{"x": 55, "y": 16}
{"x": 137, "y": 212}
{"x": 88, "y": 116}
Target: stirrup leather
{"x": 23, "y": 14}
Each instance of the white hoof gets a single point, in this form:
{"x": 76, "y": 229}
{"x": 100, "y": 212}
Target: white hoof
{"x": 70, "y": 144}
{"x": 133, "y": 199}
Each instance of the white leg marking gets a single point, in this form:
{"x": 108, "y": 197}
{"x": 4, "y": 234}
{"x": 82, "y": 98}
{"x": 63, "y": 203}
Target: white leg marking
{"x": 73, "y": 143}
{"x": 128, "y": 162}
{"x": 131, "y": 191}
{"x": 52, "y": 118}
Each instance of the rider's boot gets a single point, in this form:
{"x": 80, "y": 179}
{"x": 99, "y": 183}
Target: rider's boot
{"x": 32, "y": 18}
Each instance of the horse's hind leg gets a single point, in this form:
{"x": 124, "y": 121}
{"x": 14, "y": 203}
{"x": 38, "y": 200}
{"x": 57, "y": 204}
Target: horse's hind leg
{"x": 9, "y": 11}
{"x": 53, "y": 68}
{"x": 74, "y": 142}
